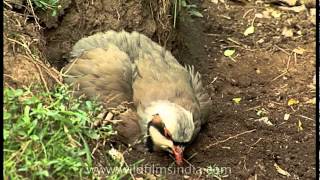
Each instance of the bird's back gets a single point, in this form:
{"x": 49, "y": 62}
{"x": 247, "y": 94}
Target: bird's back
{"x": 146, "y": 72}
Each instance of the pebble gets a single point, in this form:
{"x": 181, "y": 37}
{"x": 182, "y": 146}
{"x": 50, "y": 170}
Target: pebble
{"x": 186, "y": 177}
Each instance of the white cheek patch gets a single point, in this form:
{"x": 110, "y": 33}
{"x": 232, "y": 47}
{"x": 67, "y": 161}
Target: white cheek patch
{"x": 159, "y": 140}
{"x": 177, "y": 120}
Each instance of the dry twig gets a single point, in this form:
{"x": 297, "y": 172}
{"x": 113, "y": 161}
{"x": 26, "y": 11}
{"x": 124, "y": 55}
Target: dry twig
{"x": 231, "y": 137}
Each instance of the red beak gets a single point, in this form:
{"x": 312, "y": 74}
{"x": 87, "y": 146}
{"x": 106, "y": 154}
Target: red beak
{"x": 178, "y": 155}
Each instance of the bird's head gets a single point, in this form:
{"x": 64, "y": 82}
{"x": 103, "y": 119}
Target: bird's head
{"x": 170, "y": 129}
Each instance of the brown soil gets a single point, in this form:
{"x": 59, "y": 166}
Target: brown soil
{"x": 81, "y": 18}
{"x": 265, "y": 74}
{"x": 256, "y": 78}
{"x": 22, "y": 53}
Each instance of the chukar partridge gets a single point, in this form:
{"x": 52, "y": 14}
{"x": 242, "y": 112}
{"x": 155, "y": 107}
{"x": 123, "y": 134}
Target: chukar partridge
{"x": 169, "y": 99}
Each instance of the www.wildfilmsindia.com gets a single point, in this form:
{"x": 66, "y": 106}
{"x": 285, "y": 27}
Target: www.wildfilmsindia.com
{"x": 153, "y": 169}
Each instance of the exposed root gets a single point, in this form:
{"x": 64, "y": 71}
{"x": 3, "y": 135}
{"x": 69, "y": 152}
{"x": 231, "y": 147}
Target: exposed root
{"x": 285, "y": 71}
{"x": 229, "y": 138}
{"x": 42, "y": 79}
{"x": 34, "y": 15}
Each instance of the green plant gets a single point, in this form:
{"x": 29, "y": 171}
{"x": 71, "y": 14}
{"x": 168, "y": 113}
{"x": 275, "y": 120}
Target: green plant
{"x": 48, "y": 4}
{"x": 46, "y": 134}
{"x": 191, "y": 9}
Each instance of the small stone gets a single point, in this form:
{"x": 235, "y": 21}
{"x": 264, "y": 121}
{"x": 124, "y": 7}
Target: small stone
{"x": 260, "y": 41}
{"x": 258, "y": 71}
{"x": 186, "y": 177}
{"x": 287, "y": 32}
{"x": 286, "y": 117}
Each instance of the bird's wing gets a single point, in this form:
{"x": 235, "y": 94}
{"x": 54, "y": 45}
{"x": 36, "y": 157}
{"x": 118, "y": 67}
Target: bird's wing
{"x": 128, "y": 128}
{"x": 105, "y": 74}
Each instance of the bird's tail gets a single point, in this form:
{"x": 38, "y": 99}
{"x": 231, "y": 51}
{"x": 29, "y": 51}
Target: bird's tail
{"x": 201, "y": 94}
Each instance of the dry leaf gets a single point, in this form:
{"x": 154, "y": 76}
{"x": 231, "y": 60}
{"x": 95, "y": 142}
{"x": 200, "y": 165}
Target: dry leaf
{"x": 116, "y": 155}
{"x": 292, "y": 102}
{"x": 313, "y": 20}
{"x": 309, "y": 3}
{"x": 311, "y": 101}
{"x": 259, "y": 15}
{"x": 281, "y": 171}
{"x": 300, "y": 128}
{"x": 260, "y": 41}
{"x": 249, "y": 30}
{"x": 236, "y": 100}
{"x": 150, "y": 176}
{"x": 296, "y": 9}
{"x": 262, "y": 112}
{"x": 265, "y": 120}
{"x": 286, "y": 117}
{"x": 229, "y": 52}
{"x": 215, "y": 1}
{"x": 287, "y": 32}
{"x": 299, "y": 50}
{"x": 313, "y": 12}
{"x": 312, "y": 16}
{"x": 276, "y": 14}
{"x": 266, "y": 14}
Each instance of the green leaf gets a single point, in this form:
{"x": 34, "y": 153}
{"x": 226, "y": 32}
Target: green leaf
{"x": 54, "y": 13}
{"x": 236, "y": 100}
{"x": 191, "y": 6}
{"x": 81, "y": 152}
{"x": 6, "y": 134}
{"x": 32, "y": 100}
{"x": 42, "y": 173}
{"x": 26, "y": 115}
{"x": 93, "y": 135}
{"x": 183, "y": 3}
{"x": 195, "y": 13}
{"x": 87, "y": 149}
{"x": 9, "y": 93}
{"x": 32, "y": 127}
{"x": 229, "y": 52}
{"x": 18, "y": 92}
{"x": 34, "y": 137}
{"x": 6, "y": 115}
{"x": 89, "y": 105}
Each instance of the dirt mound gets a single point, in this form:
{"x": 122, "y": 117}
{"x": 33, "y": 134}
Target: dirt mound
{"x": 78, "y": 19}
{"x": 22, "y": 56}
